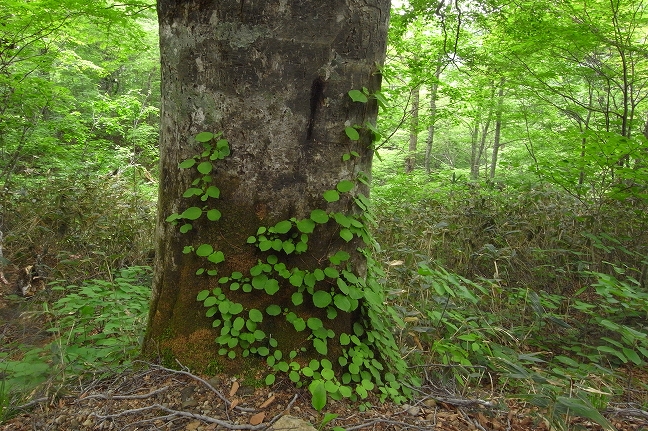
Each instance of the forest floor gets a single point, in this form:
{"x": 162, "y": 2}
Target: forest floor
{"x": 152, "y": 397}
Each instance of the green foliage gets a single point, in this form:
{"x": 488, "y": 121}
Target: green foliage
{"x": 82, "y": 224}
{"x": 5, "y": 401}
{"x": 97, "y": 328}
{"x": 100, "y": 323}
{"x": 364, "y": 368}
{"x": 77, "y": 87}
{"x": 499, "y": 285}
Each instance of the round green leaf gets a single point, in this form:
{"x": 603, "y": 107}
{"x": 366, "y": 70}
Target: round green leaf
{"x": 213, "y": 192}
{"x": 346, "y": 235}
{"x": 205, "y": 168}
{"x": 294, "y": 376}
{"x": 358, "y": 96}
{"x": 345, "y": 186}
{"x": 283, "y": 226}
{"x": 328, "y": 374}
{"x": 235, "y": 308}
{"x": 270, "y": 379}
{"x": 192, "y": 191}
{"x": 273, "y": 310}
{"x": 271, "y": 287}
{"x": 299, "y": 324}
{"x": 345, "y": 391}
{"x": 288, "y": 247}
{"x": 342, "y": 219}
{"x": 322, "y": 299}
{"x": 263, "y": 351}
{"x": 192, "y": 213}
{"x": 202, "y": 295}
{"x": 331, "y": 196}
{"x": 331, "y": 272}
{"x": 314, "y": 323}
{"x": 297, "y": 279}
{"x": 368, "y": 384}
{"x": 224, "y": 307}
{"x": 352, "y": 133}
{"x": 212, "y": 300}
{"x": 256, "y": 315}
{"x": 343, "y": 303}
{"x": 361, "y": 391}
{"x": 173, "y": 217}
{"x": 204, "y": 250}
{"x": 319, "y": 274}
{"x": 319, "y": 216}
{"x": 306, "y": 225}
{"x": 265, "y": 245}
{"x": 208, "y": 136}
{"x": 214, "y": 215}
{"x": 344, "y": 340}
{"x": 320, "y": 346}
{"x": 238, "y": 324}
{"x": 187, "y": 163}
{"x": 216, "y": 257}
{"x": 297, "y": 298}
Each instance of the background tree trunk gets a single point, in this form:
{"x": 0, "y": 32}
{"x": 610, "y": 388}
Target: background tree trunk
{"x": 273, "y": 77}
{"x": 434, "y": 89}
{"x": 410, "y": 163}
{"x": 497, "y": 140}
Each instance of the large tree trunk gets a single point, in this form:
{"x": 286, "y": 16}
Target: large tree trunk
{"x": 273, "y": 77}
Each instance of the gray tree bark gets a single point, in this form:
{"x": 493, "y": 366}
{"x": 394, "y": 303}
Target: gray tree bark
{"x": 273, "y": 77}
{"x": 497, "y": 139}
{"x": 434, "y": 89}
{"x": 410, "y": 162}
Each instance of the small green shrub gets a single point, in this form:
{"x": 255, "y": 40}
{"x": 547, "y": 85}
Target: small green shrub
{"x": 82, "y": 224}
{"x": 100, "y": 324}
{"x": 97, "y": 329}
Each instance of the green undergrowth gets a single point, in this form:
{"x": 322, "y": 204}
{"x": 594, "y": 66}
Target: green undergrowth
{"x": 531, "y": 296}
{"x": 96, "y": 330}
{"x": 78, "y": 223}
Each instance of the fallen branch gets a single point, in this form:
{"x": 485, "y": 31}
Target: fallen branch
{"x": 223, "y": 398}
{"x": 30, "y": 404}
{"x": 635, "y": 413}
{"x": 397, "y": 424}
{"x": 183, "y": 414}
{"x": 122, "y": 397}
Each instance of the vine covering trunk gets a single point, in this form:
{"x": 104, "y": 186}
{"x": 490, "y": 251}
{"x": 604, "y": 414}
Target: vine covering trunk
{"x": 268, "y": 113}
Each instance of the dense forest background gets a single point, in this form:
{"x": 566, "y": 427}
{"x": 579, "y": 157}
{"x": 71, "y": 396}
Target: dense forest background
{"x": 510, "y": 188}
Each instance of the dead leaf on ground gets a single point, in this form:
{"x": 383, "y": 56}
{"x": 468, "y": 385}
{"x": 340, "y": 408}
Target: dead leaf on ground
{"x": 257, "y": 418}
{"x": 234, "y": 403}
{"x": 267, "y": 402}
{"x": 234, "y": 389}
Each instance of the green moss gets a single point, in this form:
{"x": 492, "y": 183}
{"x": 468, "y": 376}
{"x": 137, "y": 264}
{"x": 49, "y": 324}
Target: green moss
{"x": 214, "y": 368}
{"x": 168, "y": 359}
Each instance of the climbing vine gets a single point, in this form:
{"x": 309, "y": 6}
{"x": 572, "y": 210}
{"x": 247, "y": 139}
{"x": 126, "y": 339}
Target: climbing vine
{"x": 369, "y": 358}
